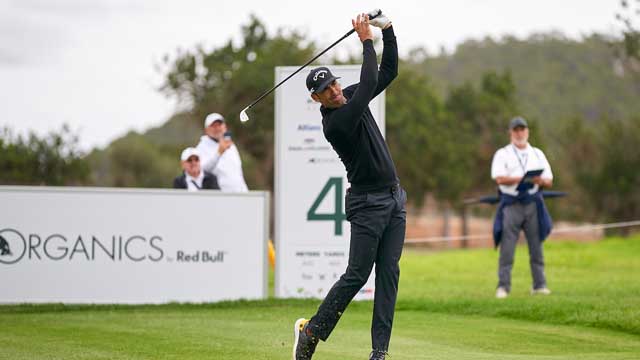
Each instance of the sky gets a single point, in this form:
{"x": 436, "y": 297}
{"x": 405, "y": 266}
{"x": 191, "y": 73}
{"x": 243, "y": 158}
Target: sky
{"x": 91, "y": 63}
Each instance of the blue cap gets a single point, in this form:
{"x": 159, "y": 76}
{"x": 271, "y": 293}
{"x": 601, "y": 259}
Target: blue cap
{"x": 517, "y": 121}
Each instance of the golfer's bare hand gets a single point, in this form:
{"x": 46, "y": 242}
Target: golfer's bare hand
{"x": 361, "y": 26}
{"x": 223, "y": 145}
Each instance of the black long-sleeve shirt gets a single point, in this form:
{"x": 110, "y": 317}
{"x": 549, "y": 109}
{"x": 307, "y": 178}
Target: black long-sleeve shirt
{"x": 351, "y": 128}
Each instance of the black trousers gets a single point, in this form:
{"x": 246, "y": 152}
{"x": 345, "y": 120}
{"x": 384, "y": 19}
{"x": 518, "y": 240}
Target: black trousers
{"x": 378, "y": 222}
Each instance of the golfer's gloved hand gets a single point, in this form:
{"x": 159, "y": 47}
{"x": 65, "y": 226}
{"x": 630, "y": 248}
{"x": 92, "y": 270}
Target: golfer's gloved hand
{"x": 382, "y": 21}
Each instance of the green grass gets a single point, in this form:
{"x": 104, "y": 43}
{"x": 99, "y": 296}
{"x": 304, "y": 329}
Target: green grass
{"x": 446, "y": 310}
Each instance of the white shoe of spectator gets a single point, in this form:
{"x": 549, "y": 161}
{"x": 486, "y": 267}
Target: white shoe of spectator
{"x": 501, "y": 293}
{"x": 541, "y": 291}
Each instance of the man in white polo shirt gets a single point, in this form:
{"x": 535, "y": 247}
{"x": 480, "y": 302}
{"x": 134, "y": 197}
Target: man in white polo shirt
{"x": 220, "y": 156}
{"x": 521, "y": 206}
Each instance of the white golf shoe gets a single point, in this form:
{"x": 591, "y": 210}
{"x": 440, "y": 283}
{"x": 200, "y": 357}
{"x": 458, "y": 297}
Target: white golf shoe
{"x": 501, "y": 293}
{"x": 541, "y": 291}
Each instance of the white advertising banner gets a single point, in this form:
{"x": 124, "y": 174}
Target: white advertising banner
{"x": 90, "y": 245}
{"x": 311, "y": 231}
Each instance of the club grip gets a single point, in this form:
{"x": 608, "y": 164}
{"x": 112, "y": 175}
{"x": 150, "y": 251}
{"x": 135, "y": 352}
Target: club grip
{"x": 376, "y": 15}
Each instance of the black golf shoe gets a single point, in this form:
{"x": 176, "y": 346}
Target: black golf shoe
{"x": 377, "y": 355}
{"x": 305, "y": 343}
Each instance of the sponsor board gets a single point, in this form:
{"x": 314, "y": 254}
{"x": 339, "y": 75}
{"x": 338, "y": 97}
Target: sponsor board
{"x": 80, "y": 245}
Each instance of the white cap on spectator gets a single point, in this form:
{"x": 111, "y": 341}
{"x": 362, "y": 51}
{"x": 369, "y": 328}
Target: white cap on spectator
{"x": 211, "y": 118}
{"x": 189, "y": 152}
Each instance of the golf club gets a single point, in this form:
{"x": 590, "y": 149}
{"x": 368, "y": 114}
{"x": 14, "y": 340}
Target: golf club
{"x": 243, "y": 114}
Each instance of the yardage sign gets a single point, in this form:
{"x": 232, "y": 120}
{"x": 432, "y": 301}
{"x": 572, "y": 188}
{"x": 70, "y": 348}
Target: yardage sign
{"x": 311, "y": 231}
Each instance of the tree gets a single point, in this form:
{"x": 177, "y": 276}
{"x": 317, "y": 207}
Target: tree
{"x": 480, "y": 118}
{"x": 228, "y": 78}
{"x": 414, "y": 110}
{"x": 604, "y": 164}
{"x": 630, "y": 34}
{"x": 54, "y": 159}
{"x": 133, "y": 161}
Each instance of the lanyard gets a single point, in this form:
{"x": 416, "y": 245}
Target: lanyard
{"x": 522, "y": 165}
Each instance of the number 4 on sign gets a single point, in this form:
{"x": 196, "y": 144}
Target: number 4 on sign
{"x": 338, "y": 216}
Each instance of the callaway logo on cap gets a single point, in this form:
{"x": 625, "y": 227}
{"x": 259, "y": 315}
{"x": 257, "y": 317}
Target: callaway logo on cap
{"x": 319, "y": 78}
{"x": 319, "y": 74}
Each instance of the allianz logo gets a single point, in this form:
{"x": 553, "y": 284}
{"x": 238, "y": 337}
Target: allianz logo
{"x": 309, "y": 127}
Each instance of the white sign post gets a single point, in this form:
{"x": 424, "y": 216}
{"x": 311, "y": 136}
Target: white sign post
{"x": 311, "y": 231}
{"x": 89, "y": 245}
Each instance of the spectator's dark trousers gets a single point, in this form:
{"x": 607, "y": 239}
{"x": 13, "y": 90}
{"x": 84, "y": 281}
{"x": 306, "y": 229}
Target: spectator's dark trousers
{"x": 519, "y": 216}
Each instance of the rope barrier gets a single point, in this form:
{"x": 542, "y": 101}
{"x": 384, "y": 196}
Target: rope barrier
{"x": 592, "y": 227}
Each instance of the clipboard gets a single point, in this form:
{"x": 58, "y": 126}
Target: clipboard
{"x": 527, "y": 180}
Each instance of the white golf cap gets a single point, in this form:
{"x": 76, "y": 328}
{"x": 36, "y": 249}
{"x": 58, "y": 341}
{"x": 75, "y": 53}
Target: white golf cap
{"x": 211, "y": 118}
{"x": 189, "y": 152}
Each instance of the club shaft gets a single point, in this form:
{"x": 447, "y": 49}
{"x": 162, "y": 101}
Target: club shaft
{"x": 300, "y": 69}
{"x": 305, "y": 65}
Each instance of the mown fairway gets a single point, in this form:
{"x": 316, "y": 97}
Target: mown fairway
{"x": 446, "y": 310}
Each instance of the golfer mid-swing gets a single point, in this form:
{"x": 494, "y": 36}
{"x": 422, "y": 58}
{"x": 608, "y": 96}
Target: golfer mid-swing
{"x": 374, "y": 202}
